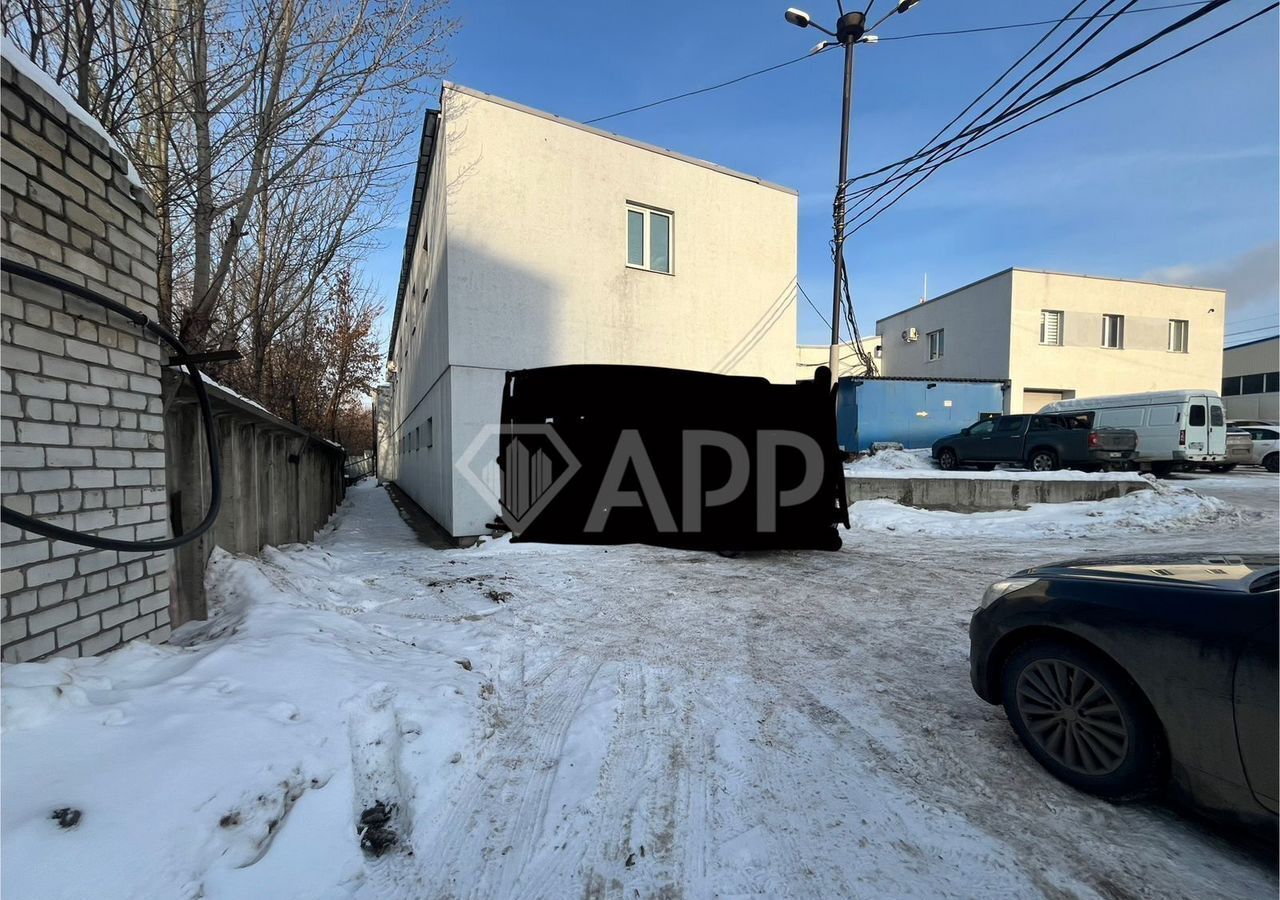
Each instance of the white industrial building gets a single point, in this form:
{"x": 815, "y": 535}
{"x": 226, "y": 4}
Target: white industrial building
{"x": 1055, "y": 336}
{"x": 537, "y": 241}
{"x": 810, "y": 356}
{"x": 1250, "y": 380}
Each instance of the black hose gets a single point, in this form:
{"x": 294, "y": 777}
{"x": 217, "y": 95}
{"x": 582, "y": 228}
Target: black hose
{"x": 55, "y": 532}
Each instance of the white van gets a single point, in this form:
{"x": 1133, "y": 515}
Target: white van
{"x": 1173, "y": 427}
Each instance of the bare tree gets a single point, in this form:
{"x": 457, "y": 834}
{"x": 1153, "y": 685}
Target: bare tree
{"x": 334, "y": 80}
{"x": 272, "y": 135}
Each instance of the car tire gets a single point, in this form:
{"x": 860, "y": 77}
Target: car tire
{"x": 1042, "y": 461}
{"x": 1221, "y": 469}
{"x": 985, "y": 467}
{"x": 948, "y": 460}
{"x": 1272, "y": 462}
{"x": 1049, "y": 689}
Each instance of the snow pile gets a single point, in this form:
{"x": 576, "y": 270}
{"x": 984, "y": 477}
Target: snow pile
{"x": 1162, "y": 508}
{"x": 891, "y": 461}
{"x": 901, "y": 465}
{"x": 303, "y": 702}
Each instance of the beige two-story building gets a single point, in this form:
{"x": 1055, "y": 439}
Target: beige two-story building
{"x": 537, "y": 241}
{"x": 1055, "y": 336}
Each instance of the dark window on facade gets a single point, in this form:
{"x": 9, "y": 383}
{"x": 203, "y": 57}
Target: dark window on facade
{"x": 1196, "y": 420}
{"x": 1272, "y": 382}
{"x": 1113, "y": 332}
{"x": 1231, "y": 386}
{"x": 1252, "y": 384}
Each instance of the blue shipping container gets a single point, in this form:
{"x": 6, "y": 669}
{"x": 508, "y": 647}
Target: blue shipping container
{"x": 915, "y": 412}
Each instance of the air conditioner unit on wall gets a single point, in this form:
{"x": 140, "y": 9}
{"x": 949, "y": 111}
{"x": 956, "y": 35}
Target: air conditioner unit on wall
{"x": 911, "y": 334}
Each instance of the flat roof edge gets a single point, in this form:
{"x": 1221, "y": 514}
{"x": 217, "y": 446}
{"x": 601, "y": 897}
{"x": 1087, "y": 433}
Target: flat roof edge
{"x": 1011, "y": 269}
{"x": 1263, "y": 340}
{"x": 1186, "y": 287}
{"x": 600, "y": 132}
{"x": 943, "y": 296}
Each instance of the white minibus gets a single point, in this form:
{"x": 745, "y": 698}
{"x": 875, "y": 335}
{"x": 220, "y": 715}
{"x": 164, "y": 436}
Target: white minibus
{"x": 1174, "y": 427}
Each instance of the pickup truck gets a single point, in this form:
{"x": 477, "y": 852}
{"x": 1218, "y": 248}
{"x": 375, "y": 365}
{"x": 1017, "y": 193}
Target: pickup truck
{"x": 1040, "y": 442}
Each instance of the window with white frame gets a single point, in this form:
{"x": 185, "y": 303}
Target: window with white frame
{"x": 1178, "y": 335}
{"x": 1113, "y": 332}
{"x": 648, "y": 238}
{"x": 1051, "y": 327}
{"x": 935, "y": 344}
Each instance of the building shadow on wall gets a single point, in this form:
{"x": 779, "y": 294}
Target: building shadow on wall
{"x": 783, "y": 303}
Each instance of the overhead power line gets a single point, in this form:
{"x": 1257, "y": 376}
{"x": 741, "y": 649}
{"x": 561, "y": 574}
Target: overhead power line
{"x": 1250, "y": 330}
{"x": 976, "y": 127}
{"x": 712, "y": 87}
{"x": 821, "y": 315}
{"x": 929, "y": 166}
{"x": 921, "y": 34}
{"x": 791, "y": 62}
{"x": 925, "y": 148}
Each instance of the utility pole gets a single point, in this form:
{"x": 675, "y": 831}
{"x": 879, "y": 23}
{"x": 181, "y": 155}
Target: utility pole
{"x": 851, "y": 29}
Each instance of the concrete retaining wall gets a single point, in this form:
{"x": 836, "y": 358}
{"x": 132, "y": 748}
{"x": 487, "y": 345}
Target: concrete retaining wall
{"x": 980, "y": 494}
{"x": 279, "y": 484}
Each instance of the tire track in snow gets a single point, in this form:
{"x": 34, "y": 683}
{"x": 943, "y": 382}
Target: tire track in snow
{"x": 639, "y": 810}
{"x": 513, "y": 776}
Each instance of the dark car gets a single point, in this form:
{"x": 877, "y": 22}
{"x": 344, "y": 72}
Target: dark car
{"x": 1040, "y": 442}
{"x": 1125, "y": 675}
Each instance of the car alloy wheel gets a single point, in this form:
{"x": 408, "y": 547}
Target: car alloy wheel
{"x": 1083, "y": 718}
{"x": 1072, "y": 717}
{"x": 1043, "y": 461}
{"x": 947, "y": 459}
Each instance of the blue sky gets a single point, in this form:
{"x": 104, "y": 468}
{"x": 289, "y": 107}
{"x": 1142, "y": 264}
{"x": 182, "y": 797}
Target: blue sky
{"x": 1170, "y": 177}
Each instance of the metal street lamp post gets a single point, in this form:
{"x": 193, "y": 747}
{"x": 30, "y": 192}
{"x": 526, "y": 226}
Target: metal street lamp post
{"x": 851, "y": 29}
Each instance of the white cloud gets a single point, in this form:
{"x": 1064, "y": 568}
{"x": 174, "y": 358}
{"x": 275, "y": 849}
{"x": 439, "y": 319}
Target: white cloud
{"x": 1251, "y": 280}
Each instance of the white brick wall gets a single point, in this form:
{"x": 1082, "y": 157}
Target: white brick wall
{"x": 82, "y": 416}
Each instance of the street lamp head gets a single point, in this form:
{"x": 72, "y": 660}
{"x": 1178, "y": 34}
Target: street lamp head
{"x": 798, "y": 17}
{"x": 850, "y": 27}
{"x": 822, "y": 45}
{"x": 904, "y": 5}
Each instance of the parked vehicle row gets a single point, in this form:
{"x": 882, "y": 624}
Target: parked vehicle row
{"x": 1124, "y": 676}
{"x": 1159, "y": 432}
{"x": 1265, "y": 447}
{"x": 1254, "y": 445}
{"x": 1174, "y": 428}
{"x": 1043, "y": 443}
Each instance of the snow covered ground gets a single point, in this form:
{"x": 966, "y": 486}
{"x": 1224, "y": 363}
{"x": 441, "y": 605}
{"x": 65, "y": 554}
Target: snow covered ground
{"x": 597, "y": 722}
